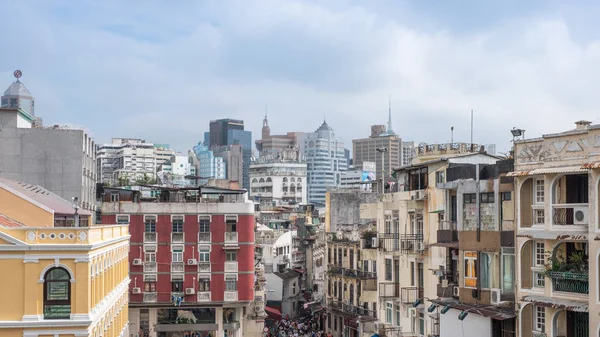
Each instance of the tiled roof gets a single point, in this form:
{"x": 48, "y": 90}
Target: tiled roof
{"x": 8, "y": 222}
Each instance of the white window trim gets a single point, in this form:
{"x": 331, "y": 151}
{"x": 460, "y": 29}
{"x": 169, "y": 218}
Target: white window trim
{"x": 536, "y": 328}
{"x": 230, "y": 275}
{"x": 464, "y": 272}
{"x": 146, "y": 216}
{"x": 204, "y": 217}
{"x": 150, "y": 248}
{"x": 148, "y": 276}
{"x": 232, "y": 217}
{"x": 535, "y": 183}
{"x": 178, "y": 245}
{"x": 173, "y": 216}
{"x": 205, "y": 246}
{"x": 123, "y": 215}
{"x": 535, "y": 254}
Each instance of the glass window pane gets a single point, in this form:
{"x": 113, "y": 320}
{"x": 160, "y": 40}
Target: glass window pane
{"x": 57, "y": 291}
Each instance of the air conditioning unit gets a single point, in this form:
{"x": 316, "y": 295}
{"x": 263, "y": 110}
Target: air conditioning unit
{"x": 258, "y": 308}
{"x": 136, "y": 290}
{"x": 455, "y": 291}
{"x": 580, "y": 216}
{"x": 374, "y": 242}
{"x": 189, "y": 291}
{"x": 137, "y": 262}
{"x": 495, "y": 296}
{"x": 192, "y": 262}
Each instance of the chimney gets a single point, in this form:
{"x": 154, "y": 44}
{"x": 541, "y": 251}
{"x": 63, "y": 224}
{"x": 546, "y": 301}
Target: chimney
{"x": 582, "y": 125}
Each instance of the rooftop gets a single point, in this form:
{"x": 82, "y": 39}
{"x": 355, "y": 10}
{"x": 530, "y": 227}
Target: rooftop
{"x": 17, "y": 88}
{"x": 8, "y": 222}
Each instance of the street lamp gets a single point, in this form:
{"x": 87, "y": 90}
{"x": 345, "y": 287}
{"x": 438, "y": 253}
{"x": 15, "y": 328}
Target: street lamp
{"x": 382, "y": 150}
{"x": 74, "y": 202}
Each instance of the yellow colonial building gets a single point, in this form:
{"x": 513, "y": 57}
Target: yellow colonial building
{"x": 61, "y": 275}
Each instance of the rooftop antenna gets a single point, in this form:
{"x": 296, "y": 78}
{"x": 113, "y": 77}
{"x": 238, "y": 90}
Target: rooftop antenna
{"x": 451, "y": 135}
{"x": 471, "y": 130}
{"x": 18, "y": 74}
{"x": 390, "y": 130}
{"x": 265, "y": 110}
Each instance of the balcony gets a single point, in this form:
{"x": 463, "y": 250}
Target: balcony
{"x": 389, "y": 242}
{"x": 447, "y": 232}
{"x": 410, "y": 294}
{"x": 150, "y": 267}
{"x": 150, "y": 237}
{"x": 570, "y": 215}
{"x": 569, "y": 282}
{"x": 231, "y": 267}
{"x": 264, "y": 240}
{"x": 204, "y": 267}
{"x": 351, "y": 273}
{"x": 177, "y": 267}
{"x": 337, "y": 237}
{"x": 176, "y": 294}
{"x": 204, "y": 238}
{"x": 150, "y": 297}
{"x": 203, "y": 296}
{"x": 177, "y": 238}
{"x": 231, "y": 237}
{"x": 230, "y": 296}
{"x": 412, "y": 243}
{"x": 352, "y": 310}
{"x": 389, "y": 290}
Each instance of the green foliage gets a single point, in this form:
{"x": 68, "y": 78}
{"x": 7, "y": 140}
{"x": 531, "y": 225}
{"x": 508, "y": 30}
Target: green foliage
{"x": 576, "y": 263}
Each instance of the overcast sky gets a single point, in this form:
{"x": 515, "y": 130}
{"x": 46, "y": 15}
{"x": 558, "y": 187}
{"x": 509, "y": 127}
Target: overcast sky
{"x": 160, "y": 70}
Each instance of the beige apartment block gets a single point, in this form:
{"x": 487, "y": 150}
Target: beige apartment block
{"x": 557, "y": 247}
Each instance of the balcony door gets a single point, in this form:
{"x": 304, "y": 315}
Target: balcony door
{"x": 417, "y": 225}
{"x": 396, "y": 270}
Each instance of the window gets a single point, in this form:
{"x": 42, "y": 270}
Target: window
{"x": 366, "y": 265}
{"x": 150, "y": 257}
{"x": 57, "y": 294}
{"x": 388, "y": 313}
{"x": 487, "y": 198}
{"x": 540, "y": 319}
{"x": 122, "y": 219}
{"x": 177, "y": 286}
{"x": 204, "y": 224}
{"x": 204, "y": 284}
{"x": 539, "y": 260}
{"x": 230, "y": 283}
{"x": 506, "y": 196}
{"x": 204, "y": 253}
{"x": 388, "y": 269}
{"x": 508, "y": 270}
{"x": 412, "y": 273}
{"x": 231, "y": 225}
{"x": 177, "y": 222}
{"x": 539, "y": 191}
{"x": 150, "y": 224}
{"x": 177, "y": 256}
{"x": 470, "y": 271}
{"x": 150, "y": 287}
{"x": 539, "y": 254}
{"x": 374, "y": 266}
{"x": 397, "y": 315}
{"x": 484, "y": 265}
{"x": 114, "y": 197}
{"x": 470, "y": 198}
{"x": 230, "y": 256}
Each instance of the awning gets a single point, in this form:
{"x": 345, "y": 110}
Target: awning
{"x": 273, "y": 313}
{"x": 548, "y": 170}
{"x": 485, "y": 311}
{"x": 552, "y": 235}
{"x": 438, "y": 211}
{"x": 590, "y": 166}
{"x": 556, "y": 303}
{"x": 445, "y": 244}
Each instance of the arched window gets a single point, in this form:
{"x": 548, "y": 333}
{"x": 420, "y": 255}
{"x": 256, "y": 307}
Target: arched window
{"x": 262, "y": 180}
{"x": 57, "y": 294}
{"x": 269, "y": 179}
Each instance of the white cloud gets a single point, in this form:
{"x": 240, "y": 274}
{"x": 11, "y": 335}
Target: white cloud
{"x": 162, "y": 72}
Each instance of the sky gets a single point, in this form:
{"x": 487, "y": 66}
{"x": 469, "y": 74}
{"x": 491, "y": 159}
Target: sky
{"x": 161, "y": 70}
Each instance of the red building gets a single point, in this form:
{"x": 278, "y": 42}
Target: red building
{"x": 191, "y": 255}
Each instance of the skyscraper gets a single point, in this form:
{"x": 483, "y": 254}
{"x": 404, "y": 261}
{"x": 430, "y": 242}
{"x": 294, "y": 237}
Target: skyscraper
{"x": 231, "y": 132}
{"x": 325, "y": 159}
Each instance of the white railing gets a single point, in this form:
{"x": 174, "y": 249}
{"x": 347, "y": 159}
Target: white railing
{"x": 150, "y": 297}
{"x": 177, "y": 238}
{"x": 204, "y": 267}
{"x": 570, "y": 214}
{"x": 177, "y": 267}
{"x": 231, "y": 267}
{"x": 231, "y": 237}
{"x": 150, "y": 267}
{"x": 150, "y": 237}
{"x": 204, "y": 237}
{"x": 203, "y": 296}
{"x": 231, "y": 296}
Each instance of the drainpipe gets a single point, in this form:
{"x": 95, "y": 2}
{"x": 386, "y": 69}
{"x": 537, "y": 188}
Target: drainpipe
{"x": 478, "y": 201}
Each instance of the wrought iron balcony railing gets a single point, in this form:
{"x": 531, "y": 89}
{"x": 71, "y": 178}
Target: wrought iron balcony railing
{"x": 569, "y": 282}
{"x": 150, "y": 237}
{"x": 352, "y": 310}
{"x": 412, "y": 243}
{"x": 150, "y": 297}
{"x": 569, "y": 214}
{"x": 389, "y": 242}
{"x": 410, "y": 294}
{"x": 231, "y": 237}
{"x": 389, "y": 289}
{"x": 177, "y": 237}
{"x": 352, "y": 273}
{"x": 203, "y": 237}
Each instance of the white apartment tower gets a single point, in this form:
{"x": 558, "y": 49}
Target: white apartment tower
{"x": 126, "y": 160}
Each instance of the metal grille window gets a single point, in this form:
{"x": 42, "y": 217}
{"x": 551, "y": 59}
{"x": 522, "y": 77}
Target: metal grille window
{"x": 230, "y": 283}
{"x": 540, "y": 319}
{"x": 177, "y": 222}
{"x": 204, "y": 224}
{"x": 150, "y": 224}
{"x": 539, "y": 191}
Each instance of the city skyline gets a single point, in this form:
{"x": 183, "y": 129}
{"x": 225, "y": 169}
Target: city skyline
{"x": 437, "y": 63}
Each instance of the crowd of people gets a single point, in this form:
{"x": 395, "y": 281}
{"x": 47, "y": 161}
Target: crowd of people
{"x": 305, "y": 326}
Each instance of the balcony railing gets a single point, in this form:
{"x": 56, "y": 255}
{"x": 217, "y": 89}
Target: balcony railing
{"x": 567, "y": 215}
{"x": 203, "y": 237}
{"x": 231, "y": 296}
{"x": 203, "y": 296}
{"x": 389, "y": 290}
{"x": 231, "y": 237}
{"x": 412, "y": 243}
{"x": 569, "y": 282}
{"x": 352, "y": 309}
{"x": 352, "y": 273}
{"x": 150, "y": 237}
{"x": 410, "y": 294}
{"x": 389, "y": 242}
{"x": 177, "y": 267}
{"x": 150, "y": 267}
{"x": 264, "y": 241}
{"x": 150, "y": 297}
{"x": 204, "y": 267}
{"x": 231, "y": 267}
{"x": 177, "y": 238}
{"x": 539, "y": 215}
{"x": 336, "y": 237}
{"x": 447, "y": 232}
